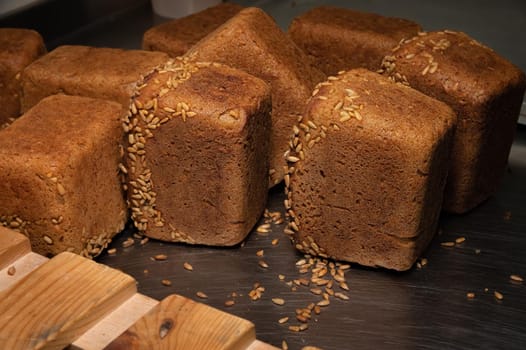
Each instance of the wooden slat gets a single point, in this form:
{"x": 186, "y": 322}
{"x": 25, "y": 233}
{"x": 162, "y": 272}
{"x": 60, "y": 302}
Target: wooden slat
{"x": 13, "y": 245}
{"x": 22, "y": 267}
{"x": 180, "y": 323}
{"x": 59, "y": 301}
{"x": 115, "y": 323}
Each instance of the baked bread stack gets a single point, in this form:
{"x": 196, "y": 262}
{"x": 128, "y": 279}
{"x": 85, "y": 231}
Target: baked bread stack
{"x": 106, "y": 73}
{"x": 486, "y": 92}
{"x": 252, "y": 41}
{"x": 175, "y": 37}
{"x": 18, "y": 48}
{"x": 59, "y": 182}
{"x": 367, "y": 169}
{"x": 341, "y": 39}
{"x": 197, "y": 153}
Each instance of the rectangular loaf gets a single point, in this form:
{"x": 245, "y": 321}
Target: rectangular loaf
{"x": 197, "y": 153}
{"x": 367, "y": 171}
{"x": 59, "y": 182}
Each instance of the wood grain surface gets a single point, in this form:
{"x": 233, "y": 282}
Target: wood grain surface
{"x": 58, "y": 301}
{"x": 180, "y": 323}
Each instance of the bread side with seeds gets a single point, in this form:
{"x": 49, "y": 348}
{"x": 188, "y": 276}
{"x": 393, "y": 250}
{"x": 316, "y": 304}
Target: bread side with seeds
{"x": 59, "y": 182}
{"x": 175, "y": 37}
{"x": 105, "y": 73}
{"x": 197, "y": 153}
{"x": 252, "y": 41}
{"x": 367, "y": 169}
{"x": 341, "y": 39}
{"x": 18, "y": 48}
{"x": 486, "y": 92}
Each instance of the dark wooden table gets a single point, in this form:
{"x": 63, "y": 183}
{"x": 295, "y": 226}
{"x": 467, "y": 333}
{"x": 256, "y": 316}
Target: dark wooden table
{"x": 424, "y": 308}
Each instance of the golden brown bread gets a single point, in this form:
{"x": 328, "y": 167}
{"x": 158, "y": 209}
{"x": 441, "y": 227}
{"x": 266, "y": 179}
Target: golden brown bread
{"x": 341, "y": 39}
{"x": 486, "y": 92}
{"x": 368, "y": 166}
{"x": 175, "y": 37}
{"x": 252, "y": 41}
{"x": 105, "y": 73}
{"x": 18, "y": 48}
{"x": 59, "y": 180}
{"x": 197, "y": 153}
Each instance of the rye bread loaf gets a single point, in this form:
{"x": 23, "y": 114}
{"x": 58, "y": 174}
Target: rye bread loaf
{"x": 341, "y": 39}
{"x": 106, "y": 73}
{"x": 197, "y": 153}
{"x": 486, "y": 92}
{"x": 175, "y": 37}
{"x": 252, "y": 41}
{"x": 59, "y": 181}
{"x": 18, "y": 48}
{"x": 367, "y": 169}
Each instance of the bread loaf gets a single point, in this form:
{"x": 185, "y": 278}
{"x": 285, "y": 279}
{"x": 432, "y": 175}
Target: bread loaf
{"x": 197, "y": 153}
{"x": 367, "y": 169}
{"x": 486, "y": 92}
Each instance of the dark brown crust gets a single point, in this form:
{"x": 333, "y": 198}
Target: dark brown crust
{"x": 252, "y": 41}
{"x": 208, "y": 164}
{"x": 105, "y": 73}
{"x": 370, "y": 190}
{"x": 71, "y": 144}
{"x": 341, "y": 39}
{"x": 486, "y": 92}
{"x": 18, "y": 48}
{"x": 177, "y": 36}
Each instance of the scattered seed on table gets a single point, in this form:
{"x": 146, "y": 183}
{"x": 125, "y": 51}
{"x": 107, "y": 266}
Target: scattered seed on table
{"x": 278, "y": 301}
{"x": 260, "y": 252}
{"x": 229, "y": 302}
{"x": 112, "y": 251}
{"x": 128, "y": 243}
{"x": 498, "y": 295}
{"x": 470, "y": 295}
{"x": 166, "y": 283}
{"x": 477, "y": 251}
{"x": 160, "y": 257}
{"x": 516, "y": 278}
{"x": 284, "y": 345}
{"x": 316, "y": 291}
{"x": 283, "y": 320}
{"x": 201, "y": 295}
{"x": 281, "y": 277}
{"x": 144, "y": 240}
{"x": 263, "y": 264}
{"x": 11, "y": 270}
{"x": 275, "y": 241}
{"x": 341, "y": 296}
{"x": 188, "y": 267}
{"x": 323, "y": 302}
{"x": 460, "y": 240}
{"x": 447, "y": 244}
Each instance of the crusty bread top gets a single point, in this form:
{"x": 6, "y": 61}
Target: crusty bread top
{"x": 377, "y": 103}
{"x": 176, "y": 36}
{"x": 18, "y": 48}
{"x": 352, "y": 20}
{"x": 454, "y": 63}
{"x": 57, "y": 120}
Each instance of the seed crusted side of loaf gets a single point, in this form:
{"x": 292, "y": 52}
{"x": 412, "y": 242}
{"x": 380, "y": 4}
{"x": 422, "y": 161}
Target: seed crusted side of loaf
{"x": 59, "y": 181}
{"x": 367, "y": 169}
{"x": 486, "y": 92}
{"x": 197, "y": 153}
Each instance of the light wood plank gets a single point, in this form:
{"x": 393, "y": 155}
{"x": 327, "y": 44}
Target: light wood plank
{"x": 259, "y": 345}
{"x": 118, "y": 321}
{"x": 180, "y": 323}
{"x": 13, "y": 245}
{"x": 22, "y": 267}
{"x": 59, "y": 301}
